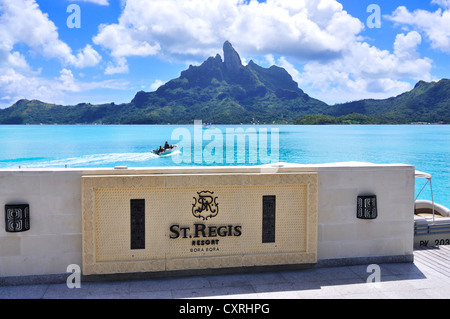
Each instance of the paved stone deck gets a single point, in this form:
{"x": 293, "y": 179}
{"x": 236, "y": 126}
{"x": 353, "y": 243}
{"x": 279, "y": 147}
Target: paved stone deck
{"x": 427, "y": 278}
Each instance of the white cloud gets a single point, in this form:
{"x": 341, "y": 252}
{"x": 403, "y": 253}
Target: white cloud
{"x": 123, "y": 42}
{"x": 23, "y": 22}
{"x": 189, "y": 29}
{"x": 435, "y": 25}
{"x": 442, "y": 3}
{"x": 86, "y": 58}
{"x": 120, "y": 66}
{"x": 365, "y": 71}
{"x": 13, "y": 60}
{"x": 405, "y": 45}
{"x": 15, "y": 85}
{"x": 66, "y": 82}
{"x": 270, "y": 59}
{"x": 317, "y": 33}
{"x": 155, "y": 85}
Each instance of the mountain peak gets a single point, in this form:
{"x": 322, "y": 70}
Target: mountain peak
{"x": 232, "y": 60}
{"x": 233, "y": 93}
{"x": 420, "y": 83}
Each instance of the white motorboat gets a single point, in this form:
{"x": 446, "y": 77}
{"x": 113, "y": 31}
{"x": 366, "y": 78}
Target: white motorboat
{"x": 431, "y": 220}
{"x": 165, "y": 151}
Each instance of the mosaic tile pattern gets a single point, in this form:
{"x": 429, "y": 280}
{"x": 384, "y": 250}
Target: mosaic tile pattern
{"x": 177, "y": 239}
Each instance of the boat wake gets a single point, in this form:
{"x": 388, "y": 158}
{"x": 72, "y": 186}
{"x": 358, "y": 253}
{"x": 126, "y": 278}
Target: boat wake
{"x": 170, "y": 154}
{"x": 101, "y": 159}
{"x": 91, "y": 160}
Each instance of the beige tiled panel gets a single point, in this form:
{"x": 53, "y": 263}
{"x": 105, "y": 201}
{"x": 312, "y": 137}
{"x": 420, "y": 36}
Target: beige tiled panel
{"x": 169, "y": 200}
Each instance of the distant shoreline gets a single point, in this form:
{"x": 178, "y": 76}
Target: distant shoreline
{"x": 239, "y": 124}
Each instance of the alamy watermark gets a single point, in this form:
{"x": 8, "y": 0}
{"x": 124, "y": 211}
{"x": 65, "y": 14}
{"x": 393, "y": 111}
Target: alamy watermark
{"x": 374, "y": 20}
{"x": 251, "y": 145}
{"x": 74, "y": 19}
{"x": 74, "y": 279}
{"x": 375, "y": 273}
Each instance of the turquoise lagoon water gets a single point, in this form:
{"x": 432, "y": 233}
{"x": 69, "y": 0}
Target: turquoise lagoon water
{"x": 427, "y": 147}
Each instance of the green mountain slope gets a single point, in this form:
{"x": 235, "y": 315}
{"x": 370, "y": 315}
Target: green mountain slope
{"x": 220, "y": 91}
{"x": 227, "y": 92}
{"x": 427, "y": 102}
{"x": 37, "y": 112}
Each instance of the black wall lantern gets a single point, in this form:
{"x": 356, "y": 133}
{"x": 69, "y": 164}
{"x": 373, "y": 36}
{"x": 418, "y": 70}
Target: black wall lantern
{"x": 17, "y": 218}
{"x": 367, "y": 207}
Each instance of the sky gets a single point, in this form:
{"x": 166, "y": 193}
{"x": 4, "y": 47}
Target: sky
{"x": 101, "y": 51}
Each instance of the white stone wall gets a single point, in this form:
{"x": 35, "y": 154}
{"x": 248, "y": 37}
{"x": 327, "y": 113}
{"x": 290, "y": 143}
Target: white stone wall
{"x": 54, "y": 240}
{"x": 343, "y": 235}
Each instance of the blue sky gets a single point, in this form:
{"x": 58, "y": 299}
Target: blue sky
{"x": 123, "y": 46}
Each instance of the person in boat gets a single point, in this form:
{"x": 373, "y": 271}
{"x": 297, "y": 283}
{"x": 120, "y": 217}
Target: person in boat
{"x": 160, "y": 150}
{"x": 167, "y": 146}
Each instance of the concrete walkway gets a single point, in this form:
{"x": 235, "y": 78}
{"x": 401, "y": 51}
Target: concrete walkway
{"x": 427, "y": 278}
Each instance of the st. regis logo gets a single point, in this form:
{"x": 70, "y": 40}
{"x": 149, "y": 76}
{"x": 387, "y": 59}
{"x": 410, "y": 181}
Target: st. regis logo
{"x": 205, "y": 205}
